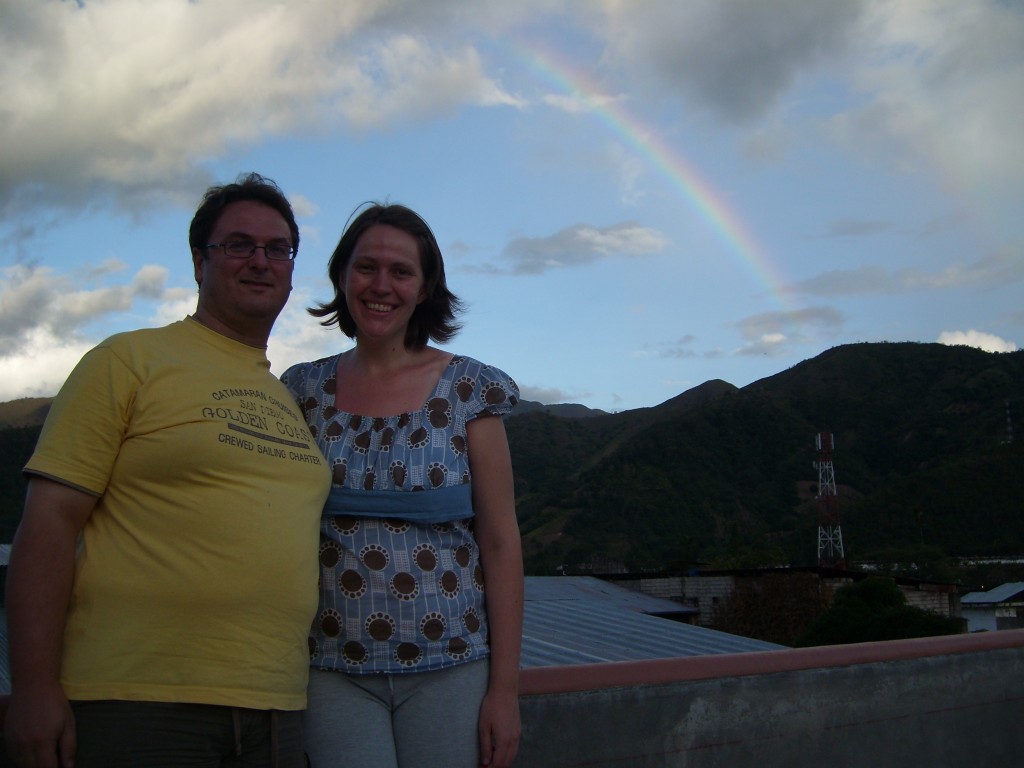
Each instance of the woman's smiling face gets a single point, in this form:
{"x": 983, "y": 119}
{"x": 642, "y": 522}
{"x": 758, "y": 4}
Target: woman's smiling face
{"x": 383, "y": 282}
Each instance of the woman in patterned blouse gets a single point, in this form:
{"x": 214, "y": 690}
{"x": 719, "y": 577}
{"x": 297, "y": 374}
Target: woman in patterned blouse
{"x": 410, "y": 664}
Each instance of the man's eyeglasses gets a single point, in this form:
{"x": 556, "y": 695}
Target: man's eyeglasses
{"x": 239, "y": 249}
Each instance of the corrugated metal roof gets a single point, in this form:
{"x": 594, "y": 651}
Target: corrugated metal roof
{"x": 583, "y": 620}
{"x": 590, "y": 588}
{"x": 999, "y": 594}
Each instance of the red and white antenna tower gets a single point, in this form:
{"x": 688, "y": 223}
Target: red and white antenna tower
{"x": 830, "y": 534}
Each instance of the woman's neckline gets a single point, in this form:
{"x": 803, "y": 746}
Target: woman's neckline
{"x": 437, "y": 366}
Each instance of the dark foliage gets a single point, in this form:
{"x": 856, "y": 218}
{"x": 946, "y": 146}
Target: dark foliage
{"x": 16, "y": 445}
{"x": 773, "y": 607}
{"x": 874, "y": 609}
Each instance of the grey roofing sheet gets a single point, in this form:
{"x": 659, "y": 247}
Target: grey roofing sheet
{"x": 997, "y": 595}
{"x": 579, "y": 620}
{"x": 588, "y": 587}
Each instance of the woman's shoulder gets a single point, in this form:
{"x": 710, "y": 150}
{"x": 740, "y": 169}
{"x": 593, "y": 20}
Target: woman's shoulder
{"x": 311, "y": 369}
{"x": 472, "y": 379}
{"x": 463, "y": 364}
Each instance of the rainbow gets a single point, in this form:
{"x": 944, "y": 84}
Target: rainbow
{"x": 665, "y": 159}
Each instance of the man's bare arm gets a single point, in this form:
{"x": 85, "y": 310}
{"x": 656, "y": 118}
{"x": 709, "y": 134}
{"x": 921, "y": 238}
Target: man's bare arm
{"x": 39, "y": 730}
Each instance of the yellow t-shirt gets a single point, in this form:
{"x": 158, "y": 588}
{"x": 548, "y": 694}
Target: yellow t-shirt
{"x": 196, "y": 578}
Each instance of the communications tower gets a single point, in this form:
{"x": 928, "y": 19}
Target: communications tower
{"x": 830, "y": 534}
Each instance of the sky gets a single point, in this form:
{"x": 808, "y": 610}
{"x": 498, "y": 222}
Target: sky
{"x": 633, "y": 197}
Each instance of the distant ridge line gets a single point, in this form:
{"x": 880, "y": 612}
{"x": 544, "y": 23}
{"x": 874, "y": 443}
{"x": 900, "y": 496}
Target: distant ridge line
{"x": 25, "y": 412}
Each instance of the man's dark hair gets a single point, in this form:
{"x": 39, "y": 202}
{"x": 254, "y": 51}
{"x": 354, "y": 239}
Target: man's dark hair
{"x": 248, "y": 186}
{"x": 434, "y": 317}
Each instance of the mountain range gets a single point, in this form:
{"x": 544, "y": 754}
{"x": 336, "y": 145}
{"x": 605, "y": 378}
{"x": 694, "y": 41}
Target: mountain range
{"x": 926, "y": 464}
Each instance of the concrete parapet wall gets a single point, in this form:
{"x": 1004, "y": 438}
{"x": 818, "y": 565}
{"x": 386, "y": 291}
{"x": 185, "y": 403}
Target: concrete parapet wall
{"x": 944, "y": 701}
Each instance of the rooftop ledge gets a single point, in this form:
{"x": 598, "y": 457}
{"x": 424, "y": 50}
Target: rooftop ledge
{"x": 589, "y": 677}
{"x": 953, "y": 701}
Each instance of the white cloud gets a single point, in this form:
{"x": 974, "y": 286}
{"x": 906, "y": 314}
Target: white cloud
{"x": 630, "y": 169}
{"x": 774, "y": 333}
{"x": 102, "y": 101}
{"x": 680, "y": 348}
{"x": 302, "y": 206}
{"x": 937, "y": 83}
{"x": 150, "y": 282}
{"x": 24, "y": 296}
{"x": 404, "y": 78}
{"x": 298, "y": 336}
{"x": 768, "y": 345}
{"x": 979, "y": 339}
{"x": 852, "y": 227}
{"x": 175, "y": 304}
{"x": 36, "y": 360}
{"x": 37, "y": 303}
{"x": 129, "y": 99}
{"x": 551, "y": 395}
{"x": 735, "y": 58}
{"x": 40, "y": 366}
{"x": 997, "y": 270}
{"x": 578, "y": 103}
{"x": 576, "y": 245}
{"x": 43, "y": 315}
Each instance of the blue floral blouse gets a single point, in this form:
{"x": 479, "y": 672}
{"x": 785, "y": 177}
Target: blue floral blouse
{"x": 401, "y": 588}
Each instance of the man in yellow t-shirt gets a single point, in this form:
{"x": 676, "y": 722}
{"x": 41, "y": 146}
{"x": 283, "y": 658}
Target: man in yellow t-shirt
{"x": 163, "y": 578}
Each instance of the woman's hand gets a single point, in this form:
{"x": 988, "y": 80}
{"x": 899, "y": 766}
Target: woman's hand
{"x": 500, "y": 728}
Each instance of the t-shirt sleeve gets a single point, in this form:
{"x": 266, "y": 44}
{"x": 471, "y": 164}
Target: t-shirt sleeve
{"x": 495, "y": 393}
{"x": 87, "y": 422}
{"x": 293, "y": 379}
{"x": 303, "y": 382}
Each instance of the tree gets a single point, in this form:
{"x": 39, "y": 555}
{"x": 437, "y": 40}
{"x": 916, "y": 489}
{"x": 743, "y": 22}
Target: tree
{"x": 772, "y": 607}
{"x": 874, "y": 609}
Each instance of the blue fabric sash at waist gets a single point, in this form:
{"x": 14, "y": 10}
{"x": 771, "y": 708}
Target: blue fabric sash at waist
{"x": 439, "y": 505}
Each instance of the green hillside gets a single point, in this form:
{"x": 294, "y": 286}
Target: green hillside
{"x": 16, "y": 444}
{"x": 921, "y": 461}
